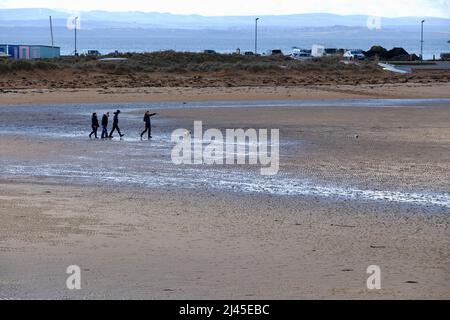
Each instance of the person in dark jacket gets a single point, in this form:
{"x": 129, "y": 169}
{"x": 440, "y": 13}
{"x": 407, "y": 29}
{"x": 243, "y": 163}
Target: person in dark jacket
{"x": 116, "y": 124}
{"x": 95, "y": 126}
{"x": 105, "y": 120}
{"x": 148, "y": 124}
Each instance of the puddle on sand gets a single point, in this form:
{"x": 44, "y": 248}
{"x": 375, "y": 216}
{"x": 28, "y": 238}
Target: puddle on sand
{"x": 73, "y": 120}
{"x": 222, "y": 180}
{"x": 128, "y": 161}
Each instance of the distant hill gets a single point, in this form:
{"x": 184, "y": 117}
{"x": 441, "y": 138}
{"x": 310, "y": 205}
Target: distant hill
{"x": 100, "y": 19}
{"x": 143, "y": 32}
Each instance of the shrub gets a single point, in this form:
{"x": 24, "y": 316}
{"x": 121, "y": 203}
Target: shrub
{"x": 19, "y": 65}
{"x": 4, "y": 66}
{"x": 44, "y": 65}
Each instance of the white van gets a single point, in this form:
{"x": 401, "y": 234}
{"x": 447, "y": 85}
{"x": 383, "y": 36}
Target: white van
{"x": 317, "y": 51}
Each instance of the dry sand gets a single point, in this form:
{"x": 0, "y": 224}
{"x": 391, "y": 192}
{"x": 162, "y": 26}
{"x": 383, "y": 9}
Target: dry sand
{"x": 152, "y": 94}
{"x": 197, "y": 244}
{"x": 191, "y": 245}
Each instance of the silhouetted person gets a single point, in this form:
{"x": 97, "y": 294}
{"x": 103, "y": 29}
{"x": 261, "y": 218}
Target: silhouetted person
{"x": 116, "y": 124}
{"x": 95, "y": 126}
{"x": 148, "y": 124}
{"x": 105, "y": 121}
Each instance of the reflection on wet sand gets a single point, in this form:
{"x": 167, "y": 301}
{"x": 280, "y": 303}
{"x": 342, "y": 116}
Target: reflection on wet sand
{"x": 129, "y": 161}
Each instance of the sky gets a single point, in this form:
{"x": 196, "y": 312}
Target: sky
{"x": 384, "y": 8}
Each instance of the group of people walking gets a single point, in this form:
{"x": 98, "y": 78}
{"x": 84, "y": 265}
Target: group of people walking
{"x": 115, "y": 127}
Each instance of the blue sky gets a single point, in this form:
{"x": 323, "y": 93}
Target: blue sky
{"x": 386, "y": 8}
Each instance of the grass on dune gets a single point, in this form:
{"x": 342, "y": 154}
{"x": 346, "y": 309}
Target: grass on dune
{"x": 179, "y": 62}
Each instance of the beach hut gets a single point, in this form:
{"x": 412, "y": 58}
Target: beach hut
{"x": 28, "y": 52}
{"x": 44, "y": 52}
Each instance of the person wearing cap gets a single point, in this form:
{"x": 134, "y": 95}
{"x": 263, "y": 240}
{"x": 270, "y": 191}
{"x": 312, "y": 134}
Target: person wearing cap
{"x": 116, "y": 124}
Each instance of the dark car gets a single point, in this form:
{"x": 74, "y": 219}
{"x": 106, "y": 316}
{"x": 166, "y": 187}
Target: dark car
{"x": 93, "y": 53}
{"x": 274, "y": 52}
{"x": 331, "y": 51}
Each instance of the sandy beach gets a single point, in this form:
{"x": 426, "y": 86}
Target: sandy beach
{"x": 359, "y": 185}
{"x": 155, "y": 94}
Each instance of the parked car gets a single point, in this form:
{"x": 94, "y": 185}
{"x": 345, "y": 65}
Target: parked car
{"x": 209, "y": 51}
{"x": 331, "y": 51}
{"x": 301, "y": 54}
{"x": 93, "y": 53}
{"x": 274, "y": 52}
{"x": 249, "y": 53}
{"x": 354, "y": 55}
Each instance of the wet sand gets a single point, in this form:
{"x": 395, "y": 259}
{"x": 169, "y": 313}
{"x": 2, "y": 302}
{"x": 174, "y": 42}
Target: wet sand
{"x": 62, "y": 203}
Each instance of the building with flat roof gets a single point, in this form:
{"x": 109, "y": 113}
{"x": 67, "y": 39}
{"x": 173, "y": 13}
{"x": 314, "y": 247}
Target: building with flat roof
{"x": 28, "y": 52}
